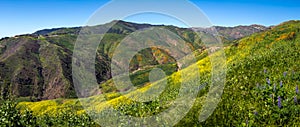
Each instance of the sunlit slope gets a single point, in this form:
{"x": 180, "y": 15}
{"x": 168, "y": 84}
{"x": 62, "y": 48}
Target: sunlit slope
{"x": 247, "y": 99}
{"x": 37, "y": 66}
{"x": 28, "y": 75}
{"x": 112, "y": 97}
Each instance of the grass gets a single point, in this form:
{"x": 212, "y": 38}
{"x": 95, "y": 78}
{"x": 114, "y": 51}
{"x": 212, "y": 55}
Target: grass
{"x": 248, "y": 99}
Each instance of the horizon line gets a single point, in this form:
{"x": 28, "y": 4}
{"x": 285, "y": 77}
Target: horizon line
{"x": 154, "y": 24}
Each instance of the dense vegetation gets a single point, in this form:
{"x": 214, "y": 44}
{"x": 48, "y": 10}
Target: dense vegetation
{"x": 262, "y": 80}
{"x": 262, "y": 68}
{"x": 12, "y": 116}
{"x": 38, "y": 66}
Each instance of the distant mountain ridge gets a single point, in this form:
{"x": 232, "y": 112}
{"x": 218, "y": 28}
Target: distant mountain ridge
{"x": 236, "y": 32}
{"x": 230, "y": 33}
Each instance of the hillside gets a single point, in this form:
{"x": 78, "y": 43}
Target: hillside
{"x": 38, "y": 66}
{"x": 229, "y": 34}
{"x": 261, "y": 86}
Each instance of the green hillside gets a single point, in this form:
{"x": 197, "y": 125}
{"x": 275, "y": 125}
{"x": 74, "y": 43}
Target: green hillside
{"x": 261, "y": 88}
{"x": 38, "y": 66}
{"x": 261, "y": 82}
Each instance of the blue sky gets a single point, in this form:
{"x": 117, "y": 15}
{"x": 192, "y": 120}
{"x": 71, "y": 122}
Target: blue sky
{"x": 28, "y": 16}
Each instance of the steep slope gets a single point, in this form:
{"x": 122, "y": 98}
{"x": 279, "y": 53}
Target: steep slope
{"x": 38, "y": 66}
{"x": 32, "y": 67}
{"x": 261, "y": 69}
{"x": 20, "y": 67}
{"x": 40, "y": 63}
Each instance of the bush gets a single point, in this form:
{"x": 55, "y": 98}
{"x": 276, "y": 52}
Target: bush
{"x": 10, "y": 116}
